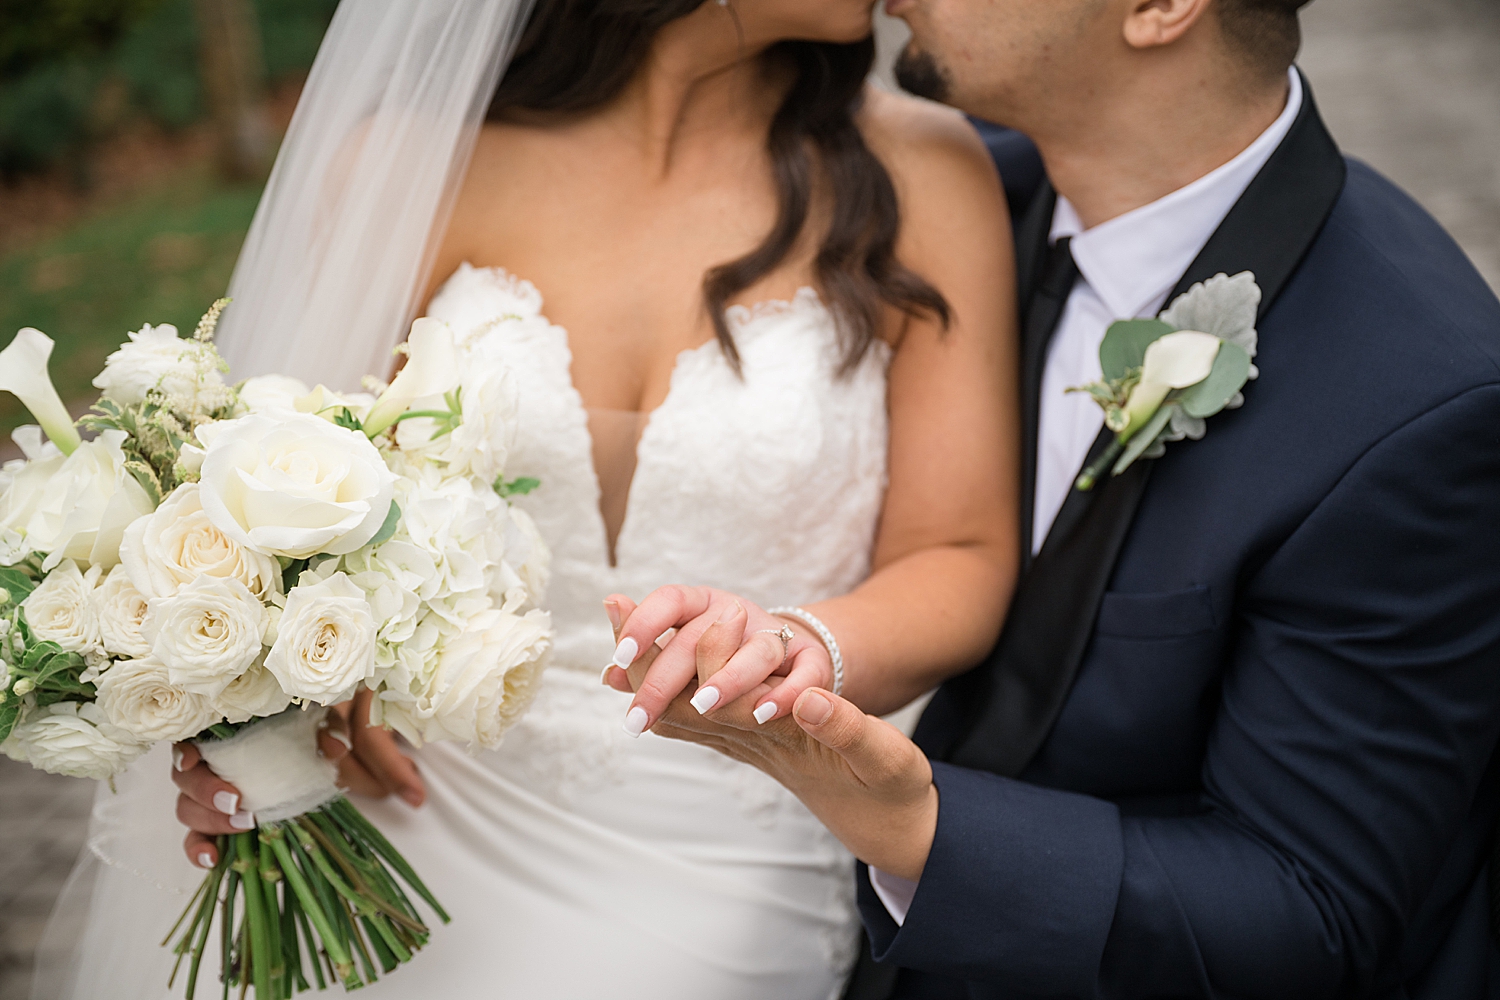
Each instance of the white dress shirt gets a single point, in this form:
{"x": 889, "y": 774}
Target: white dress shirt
{"x": 1127, "y": 268}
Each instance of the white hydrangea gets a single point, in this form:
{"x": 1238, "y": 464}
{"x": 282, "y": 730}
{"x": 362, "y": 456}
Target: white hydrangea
{"x": 72, "y": 738}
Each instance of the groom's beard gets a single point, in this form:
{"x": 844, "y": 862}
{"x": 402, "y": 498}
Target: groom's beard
{"x": 919, "y": 73}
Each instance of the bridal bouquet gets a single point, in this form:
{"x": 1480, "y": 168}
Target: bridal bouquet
{"x": 220, "y": 563}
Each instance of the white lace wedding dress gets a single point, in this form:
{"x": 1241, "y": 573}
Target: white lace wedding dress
{"x": 577, "y": 862}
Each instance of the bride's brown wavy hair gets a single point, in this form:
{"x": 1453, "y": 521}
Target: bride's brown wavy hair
{"x": 576, "y": 55}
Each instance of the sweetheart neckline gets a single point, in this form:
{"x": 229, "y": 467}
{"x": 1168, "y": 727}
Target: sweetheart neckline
{"x": 739, "y": 317}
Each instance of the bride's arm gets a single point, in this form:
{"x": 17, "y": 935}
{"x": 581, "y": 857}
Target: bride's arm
{"x": 946, "y": 554}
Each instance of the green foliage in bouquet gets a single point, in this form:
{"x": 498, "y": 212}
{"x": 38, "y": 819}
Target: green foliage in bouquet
{"x": 32, "y": 674}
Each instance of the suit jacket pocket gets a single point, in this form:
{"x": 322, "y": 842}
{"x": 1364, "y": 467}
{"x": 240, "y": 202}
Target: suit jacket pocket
{"x": 1161, "y": 615}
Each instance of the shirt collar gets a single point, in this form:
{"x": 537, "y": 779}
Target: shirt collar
{"x": 1133, "y": 260}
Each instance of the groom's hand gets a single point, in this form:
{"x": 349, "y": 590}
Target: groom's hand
{"x": 869, "y": 784}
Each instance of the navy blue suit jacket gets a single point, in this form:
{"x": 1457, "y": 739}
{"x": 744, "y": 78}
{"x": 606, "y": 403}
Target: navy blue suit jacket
{"x": 1266, "y": 767}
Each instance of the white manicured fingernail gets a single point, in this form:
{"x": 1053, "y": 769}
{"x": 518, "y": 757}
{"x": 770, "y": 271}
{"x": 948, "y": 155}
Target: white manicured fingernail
{"x": 625, "y": 653}
{"x": 205, "y": 860}
{"x": 763, "y": 713}
{"x": 342, "y": 737}
{"x": 242, "y": 821}
{"x": 176, "y": 759}
{"x": 705, "y": 699}
{"x": 227, "y": 803}
{"x": 604, "y": 675}
{"x": 635, "y": 721}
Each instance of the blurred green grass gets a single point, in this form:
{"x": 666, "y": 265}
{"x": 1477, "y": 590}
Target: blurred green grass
{"x": 161, "y": 256}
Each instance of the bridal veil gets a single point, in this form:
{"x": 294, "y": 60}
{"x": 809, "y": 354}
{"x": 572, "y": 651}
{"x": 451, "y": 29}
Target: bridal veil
{"x": 324, "y": 288}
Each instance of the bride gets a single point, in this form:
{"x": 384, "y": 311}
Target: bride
{"x": 740, "y": 366}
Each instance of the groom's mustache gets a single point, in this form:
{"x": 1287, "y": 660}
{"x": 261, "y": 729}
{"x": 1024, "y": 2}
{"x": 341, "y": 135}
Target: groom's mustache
{"x": 919, "y": 73}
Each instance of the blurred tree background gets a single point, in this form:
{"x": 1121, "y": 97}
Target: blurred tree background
{"x": 134, "y": 137}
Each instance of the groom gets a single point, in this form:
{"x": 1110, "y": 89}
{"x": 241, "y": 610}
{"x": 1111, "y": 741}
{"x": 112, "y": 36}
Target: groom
{"x": 1238, "y": 737}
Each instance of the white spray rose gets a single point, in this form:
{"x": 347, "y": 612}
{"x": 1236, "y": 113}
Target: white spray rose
{"x": 325, "y": 640}
{"x": 294, "y": 485}
{"x": 206, "y": 634}
{"x": 271, "y": 394}
{"x": 74, "y": 508}
{"x": 178, "y": 544}
{"x": 72, "y": 738}
{"x": 155, "y": 358}
{"x": 254, "y": 694}
{"x": 61, "y": 608}
{"x": 138, "y": 696}
{"x": 484, "y": 679}
{"x": 121, "y": 609}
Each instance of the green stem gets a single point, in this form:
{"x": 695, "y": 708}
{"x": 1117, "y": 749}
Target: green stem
{"x": 269, "y": 876}
{"x": 344, "y": 808}
{"x": 1088, "y": 477}
{"x": 210, "y": 900}
{"x": 255, "y": 910}
{"x": 226, "y": 929}
{"x": 342, "y": 966}
{"x": 315, "y": 956}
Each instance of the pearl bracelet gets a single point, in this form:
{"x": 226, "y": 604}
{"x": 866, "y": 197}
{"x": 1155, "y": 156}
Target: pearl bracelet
{"x": 824, "y": 636}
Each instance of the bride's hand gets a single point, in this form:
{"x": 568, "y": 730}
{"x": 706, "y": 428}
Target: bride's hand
{"x": 749, "y": 673}
{"x": 370, "y": 763}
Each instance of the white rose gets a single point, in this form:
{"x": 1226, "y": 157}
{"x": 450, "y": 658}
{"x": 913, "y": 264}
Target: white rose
{"x": 120, "y": 609}
{"x": 61, "y": 608}
{"x": 325, "y": 641}
{"x": 254, "y": 694}
{"x": 177, "y": 544}
{"x": 154, "y": 358}
{"x": 485, "y": 678}
{"x": 295, "y": 485}
{"x": 137, "y": 696}
{"x": 271, "y": 394}
{"x": 72, "y": 738}
{"x": 207, "y": 634}
{"x": 75, "y": 507}
{"x": 479, "y": 444}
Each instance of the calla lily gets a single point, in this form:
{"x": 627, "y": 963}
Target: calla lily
{"x": 1174, "y": 361}
{"x": 431, "y": 370}
{"x": 23, "y": 373}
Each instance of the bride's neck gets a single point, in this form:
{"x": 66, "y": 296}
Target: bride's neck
{"x": 701, "y": 84}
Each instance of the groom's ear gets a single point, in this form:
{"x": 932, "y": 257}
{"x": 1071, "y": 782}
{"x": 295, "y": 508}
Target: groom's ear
{"x": 1154, "y": 23}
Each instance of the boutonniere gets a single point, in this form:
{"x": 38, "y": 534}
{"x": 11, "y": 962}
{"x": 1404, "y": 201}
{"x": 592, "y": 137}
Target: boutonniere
{"x": 1163, "y": 378}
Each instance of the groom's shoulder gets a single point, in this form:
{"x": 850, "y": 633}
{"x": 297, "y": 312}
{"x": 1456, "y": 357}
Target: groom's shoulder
{"x": 1383, "y": 258}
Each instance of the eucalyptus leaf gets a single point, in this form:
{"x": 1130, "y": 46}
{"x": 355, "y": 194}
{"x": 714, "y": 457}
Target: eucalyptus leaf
{"x": 1144, "y": 438}
{"x": 1125, "y": 342}
{"x": 392, "y": 522}
{"x": 1230, "y": 371}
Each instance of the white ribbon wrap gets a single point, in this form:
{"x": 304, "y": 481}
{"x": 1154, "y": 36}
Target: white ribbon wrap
{"x": 275, "y": 765}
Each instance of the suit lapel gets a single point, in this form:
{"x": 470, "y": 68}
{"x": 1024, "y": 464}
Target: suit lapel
{"x": 1011, "y": 701}
{"x": 1031, "y": 251}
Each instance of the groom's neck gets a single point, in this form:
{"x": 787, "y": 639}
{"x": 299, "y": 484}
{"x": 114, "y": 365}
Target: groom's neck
{"x": 1146, "y": 133}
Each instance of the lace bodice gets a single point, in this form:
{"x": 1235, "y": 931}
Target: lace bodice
{"x": 768, "y": 485}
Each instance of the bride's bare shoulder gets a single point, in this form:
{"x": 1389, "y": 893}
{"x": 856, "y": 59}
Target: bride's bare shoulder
{"x": 926, "y": 145}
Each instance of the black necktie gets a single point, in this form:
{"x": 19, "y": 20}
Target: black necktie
{"x": 1044, "y": 309}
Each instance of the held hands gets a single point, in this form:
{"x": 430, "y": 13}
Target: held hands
{"x": 869, "y": 784}
{"x": 370, "y": 763}
{"x": 768, "y": 674}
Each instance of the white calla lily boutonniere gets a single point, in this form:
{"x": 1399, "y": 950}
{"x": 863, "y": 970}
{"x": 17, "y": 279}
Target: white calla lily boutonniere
{"x": 1163, "y": 378}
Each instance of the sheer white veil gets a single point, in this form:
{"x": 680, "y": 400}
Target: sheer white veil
{"x": 324, "y": 289}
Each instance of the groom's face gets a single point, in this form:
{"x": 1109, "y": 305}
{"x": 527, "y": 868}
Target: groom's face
{"x": 1002, "y": 59}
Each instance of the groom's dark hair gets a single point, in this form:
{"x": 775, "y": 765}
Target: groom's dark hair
{"x": 1265, "y": 32}
{"x": 577, "y": 54}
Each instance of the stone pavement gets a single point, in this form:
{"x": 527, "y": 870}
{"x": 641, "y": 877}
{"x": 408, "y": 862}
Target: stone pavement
{"x": 1414, "y": 89}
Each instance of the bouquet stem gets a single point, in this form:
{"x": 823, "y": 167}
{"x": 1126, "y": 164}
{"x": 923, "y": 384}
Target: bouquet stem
{"x": 320, "y": 885}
